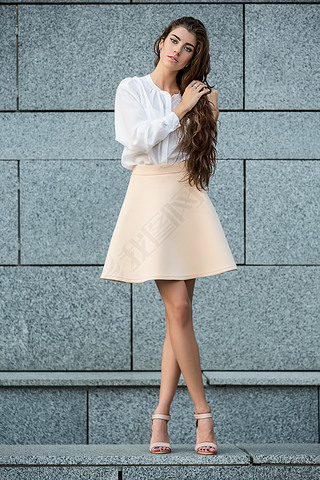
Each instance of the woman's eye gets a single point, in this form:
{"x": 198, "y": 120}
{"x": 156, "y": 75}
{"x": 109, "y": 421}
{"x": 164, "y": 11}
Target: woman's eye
{"x": 174, "y": 40}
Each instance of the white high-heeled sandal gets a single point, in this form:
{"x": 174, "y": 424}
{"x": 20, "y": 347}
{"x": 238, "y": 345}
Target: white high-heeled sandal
{"x": 204, "y": 444}
{"x": 160, "y": 444}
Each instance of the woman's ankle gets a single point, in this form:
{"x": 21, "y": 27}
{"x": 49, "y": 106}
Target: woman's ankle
{"x": 162, "y": 408}
{"x": 202, "y": 408}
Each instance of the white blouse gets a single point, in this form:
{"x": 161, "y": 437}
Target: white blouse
{"x": 144, "y": 122}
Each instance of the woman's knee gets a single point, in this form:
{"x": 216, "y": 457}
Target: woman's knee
{"x": 177, "y": 302}
{"x": 180, "y": 313}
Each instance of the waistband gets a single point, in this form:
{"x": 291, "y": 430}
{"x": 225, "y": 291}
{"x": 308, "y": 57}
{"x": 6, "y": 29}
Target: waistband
{"x": 162, "y": 168}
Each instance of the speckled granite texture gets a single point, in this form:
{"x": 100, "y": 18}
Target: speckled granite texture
{"x": 8, "y": 57}
{"x": 80, "y": 356}
{"x": 69, "y": 412}
{"x": 8, "y": 212}
{"x": 135, "y": 462}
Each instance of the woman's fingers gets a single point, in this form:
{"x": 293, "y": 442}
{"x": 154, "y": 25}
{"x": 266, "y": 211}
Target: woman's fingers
{"x": 203, "y": 89}
{"x": 195, "y": 90}
{"x": 199, "y": 86}
{"x": 196, "y": 84}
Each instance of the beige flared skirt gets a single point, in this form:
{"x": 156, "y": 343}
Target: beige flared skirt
{"x": 166, "y": 229}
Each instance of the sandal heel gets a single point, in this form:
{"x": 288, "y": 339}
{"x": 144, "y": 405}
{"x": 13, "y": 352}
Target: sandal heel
{"x": 204, "y": 444}
{"x": 161, "y": 416}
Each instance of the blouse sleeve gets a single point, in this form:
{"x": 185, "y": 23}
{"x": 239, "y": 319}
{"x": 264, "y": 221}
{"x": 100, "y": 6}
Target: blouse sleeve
{"x": 132, "y": 127}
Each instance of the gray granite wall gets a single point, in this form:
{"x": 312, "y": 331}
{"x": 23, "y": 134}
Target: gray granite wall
{"x": 62, "y": 187}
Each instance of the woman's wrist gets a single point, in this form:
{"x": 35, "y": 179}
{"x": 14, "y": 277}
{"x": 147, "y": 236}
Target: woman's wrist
{"x": 180, "y": 110}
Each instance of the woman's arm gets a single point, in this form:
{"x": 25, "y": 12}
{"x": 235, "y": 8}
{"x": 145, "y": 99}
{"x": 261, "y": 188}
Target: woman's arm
{"x": 213, "y": 98}
{"x": 133, "y": 129}
{"x": 181, "y": 110}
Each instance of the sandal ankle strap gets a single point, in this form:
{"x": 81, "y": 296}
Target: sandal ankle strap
{"x": 162, "y": 416}
{"x": 203, "y": 415}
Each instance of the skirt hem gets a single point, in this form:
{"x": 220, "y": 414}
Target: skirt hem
{"x": 166, "y": 277}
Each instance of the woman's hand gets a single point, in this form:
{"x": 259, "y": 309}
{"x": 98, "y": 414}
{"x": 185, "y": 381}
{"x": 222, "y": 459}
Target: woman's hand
{"x": 213, "y": 99}
{"x": 192, "y": 93}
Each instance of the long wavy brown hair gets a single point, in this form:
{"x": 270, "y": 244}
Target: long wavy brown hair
{"x": 198, "y": 135}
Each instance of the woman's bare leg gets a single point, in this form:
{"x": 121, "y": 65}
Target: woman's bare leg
{"x": 178, "y": 307}
{"x": 170, "y": 374}
{"x": 170, "y": 370}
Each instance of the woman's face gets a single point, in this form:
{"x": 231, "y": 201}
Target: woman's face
{"x": 178, "y": 48}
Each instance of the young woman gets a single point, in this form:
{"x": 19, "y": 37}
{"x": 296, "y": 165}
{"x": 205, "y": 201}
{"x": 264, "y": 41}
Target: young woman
{"x": 168, "y": 229}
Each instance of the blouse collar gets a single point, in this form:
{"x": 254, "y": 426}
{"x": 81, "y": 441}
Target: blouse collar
{"x": 148, "y": 76}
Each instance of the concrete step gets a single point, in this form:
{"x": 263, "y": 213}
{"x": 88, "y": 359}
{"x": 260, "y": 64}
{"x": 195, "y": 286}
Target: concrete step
{"x": 116, "y": 407}
{"x": 135, "y": 462}
{"x": 152, "y": 378}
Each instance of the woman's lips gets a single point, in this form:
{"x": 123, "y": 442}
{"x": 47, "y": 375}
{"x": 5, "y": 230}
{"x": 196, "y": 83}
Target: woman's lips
{"x": 173, "y": 59}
